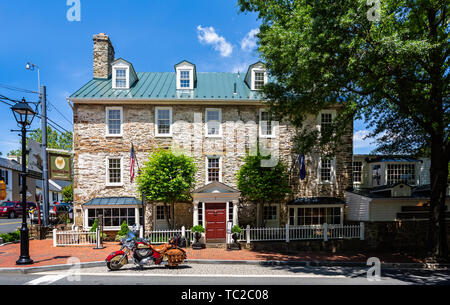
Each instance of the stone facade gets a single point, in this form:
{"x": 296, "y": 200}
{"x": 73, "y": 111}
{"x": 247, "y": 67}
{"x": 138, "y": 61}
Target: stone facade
{"x": 239, "y": 133}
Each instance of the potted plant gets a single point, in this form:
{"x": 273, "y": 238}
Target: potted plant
{"x": 197, "y": 230}
{"x": 235, "y": 231}
{"x": 123, "y": 231}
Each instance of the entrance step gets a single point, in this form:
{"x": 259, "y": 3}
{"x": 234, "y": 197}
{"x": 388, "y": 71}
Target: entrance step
{"x": 216, "y": 245}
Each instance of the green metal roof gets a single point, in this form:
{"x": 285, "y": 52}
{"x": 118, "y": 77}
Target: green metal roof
{"x": 162, "y": 86}
{"x": 114, "y": 201}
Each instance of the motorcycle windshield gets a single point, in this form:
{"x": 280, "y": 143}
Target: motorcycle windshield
{"x": 130, "y": 236}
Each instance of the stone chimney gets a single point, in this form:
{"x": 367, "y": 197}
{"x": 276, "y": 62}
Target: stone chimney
{"x": 103, "y": 56}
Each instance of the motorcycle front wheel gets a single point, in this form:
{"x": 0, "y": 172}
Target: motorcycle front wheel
{"x": 115, "y": 264}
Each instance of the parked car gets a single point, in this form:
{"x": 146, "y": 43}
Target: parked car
{"x": 54, "y": 211}
{"x": 13, "y": 209}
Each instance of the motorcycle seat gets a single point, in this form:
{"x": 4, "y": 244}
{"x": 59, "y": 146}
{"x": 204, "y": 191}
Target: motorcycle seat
{"x": 160, "y": 248}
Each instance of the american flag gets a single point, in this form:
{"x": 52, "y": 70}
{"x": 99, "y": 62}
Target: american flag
{"x": 132, "y": 160}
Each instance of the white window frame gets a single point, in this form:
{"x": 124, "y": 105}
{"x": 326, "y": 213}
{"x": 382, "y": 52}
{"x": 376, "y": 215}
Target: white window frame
{"x": 127, "y": 76}
{"x": 272, "y": 132}
{"x": 107, "y": 121}
{"x": 191, "y": 77}
{"x": 353, "y": 172}
{"x": 7, "y": 176}
{"x": 401, "y": 163}
{"x": 319, "y": 117}
{"x": 258, "y": 70}
{"x": 332, "y": 173}
{"x": 110, "y": 228}
{"x": 305, "y": 206}
{"x": 107, "y": 171}
{"x": 189, "y": 71}
{"x": 206, "y": 167}
{"x": 220, "y": 123}
{"x": 157, "y": 134}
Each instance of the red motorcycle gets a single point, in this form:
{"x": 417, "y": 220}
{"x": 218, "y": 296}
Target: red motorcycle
{"x": 144, "y": 253}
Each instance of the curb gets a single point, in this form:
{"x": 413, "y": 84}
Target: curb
{"x": 27, "y": 270}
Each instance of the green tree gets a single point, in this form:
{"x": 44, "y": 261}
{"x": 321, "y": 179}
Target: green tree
{"x": 55, "y": 140}
{"x": 167, "y": 177}
{"x": 262, "y": 184}
{"x": 67, "y": 193}
{"x": 391, "y": 70}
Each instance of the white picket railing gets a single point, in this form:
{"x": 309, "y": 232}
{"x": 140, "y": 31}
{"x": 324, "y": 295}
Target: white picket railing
{"x": 73, "y": 238}
{"x": 323, "y": 232}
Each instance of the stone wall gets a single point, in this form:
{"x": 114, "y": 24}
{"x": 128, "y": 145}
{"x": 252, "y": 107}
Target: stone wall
{"x": 332, "y": 246}
{"x": 408, "y": 236}
{"x": 239, "y": 130}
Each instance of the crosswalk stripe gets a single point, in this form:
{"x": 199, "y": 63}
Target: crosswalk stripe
{"x": 47, "y": 279}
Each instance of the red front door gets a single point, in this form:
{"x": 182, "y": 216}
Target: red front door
{"x": 216, "y": 218}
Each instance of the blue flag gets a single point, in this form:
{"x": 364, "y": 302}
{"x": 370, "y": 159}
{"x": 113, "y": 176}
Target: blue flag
{"x": 301, "y": 163}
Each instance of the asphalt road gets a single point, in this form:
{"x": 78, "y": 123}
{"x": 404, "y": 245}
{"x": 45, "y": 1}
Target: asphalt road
{"x": 9, "y": 225}
{"x": 228, "y": 274}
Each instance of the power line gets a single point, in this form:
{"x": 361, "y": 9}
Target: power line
{"x": 51, "y": 123}
{"x": 7, "y": 103}
{"x": 60, "y": 113}
{"x": 17, "y": 89}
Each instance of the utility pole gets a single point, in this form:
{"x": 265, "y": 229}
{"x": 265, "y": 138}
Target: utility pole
{"x": 43, "y": 98}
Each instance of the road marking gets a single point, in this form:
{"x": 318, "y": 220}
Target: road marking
{"x": 204, "y": 275}
{"x": 47, "y": 279}
{"x": 9, "y": 223}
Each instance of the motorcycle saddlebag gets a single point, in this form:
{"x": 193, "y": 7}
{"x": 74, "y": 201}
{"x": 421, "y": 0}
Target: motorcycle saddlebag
{"x": 175, "y": 256}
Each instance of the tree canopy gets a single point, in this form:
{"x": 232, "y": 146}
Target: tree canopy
{"x": 167, "y": 177}
{"x": 263, "y": 184}
{"x": 387, "y": 65}
{"x": 55, "y": 140}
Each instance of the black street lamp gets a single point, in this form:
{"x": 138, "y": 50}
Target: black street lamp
{"x": 24, "y": 116}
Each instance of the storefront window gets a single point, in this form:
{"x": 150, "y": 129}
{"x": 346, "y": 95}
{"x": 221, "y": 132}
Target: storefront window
{"x": 314, "y": 216}
{"x": 113, "y": 217}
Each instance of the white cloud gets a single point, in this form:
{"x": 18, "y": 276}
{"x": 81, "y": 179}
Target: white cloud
{"x": 248, "y": 43}
{"x": 361, "y": 144}
{"x": 242, "y": 68}
{"x": 208, "y": 35}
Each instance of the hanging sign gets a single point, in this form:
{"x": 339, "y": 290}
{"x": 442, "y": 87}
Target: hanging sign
{"x": 59, "y": 167}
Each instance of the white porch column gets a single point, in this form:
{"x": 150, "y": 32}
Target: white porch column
{"x": 235, "y": 213}
{"x": 195, "y": 214}
{"x": 85, "y": 222}
{"x": 137, "y": 217}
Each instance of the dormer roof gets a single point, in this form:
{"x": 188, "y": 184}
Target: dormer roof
{"x": 248, "y": 75}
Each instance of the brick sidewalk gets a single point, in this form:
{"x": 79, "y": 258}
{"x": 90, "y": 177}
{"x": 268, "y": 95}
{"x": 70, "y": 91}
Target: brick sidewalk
{"x": 43, "y": 253}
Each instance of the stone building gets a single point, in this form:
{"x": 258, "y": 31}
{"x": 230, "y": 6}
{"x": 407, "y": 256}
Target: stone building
{"x": 214, "y": 117}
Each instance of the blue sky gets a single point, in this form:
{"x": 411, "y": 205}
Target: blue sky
{"x": 153, "y": 35}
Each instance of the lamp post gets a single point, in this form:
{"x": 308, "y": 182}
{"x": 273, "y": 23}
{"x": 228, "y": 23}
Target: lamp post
{"x": 24, "y": 116}
{"x": 43, "y": 101}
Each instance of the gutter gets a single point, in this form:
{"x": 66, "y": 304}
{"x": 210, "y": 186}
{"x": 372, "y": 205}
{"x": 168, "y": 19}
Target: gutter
{"x": 171, "y": 101}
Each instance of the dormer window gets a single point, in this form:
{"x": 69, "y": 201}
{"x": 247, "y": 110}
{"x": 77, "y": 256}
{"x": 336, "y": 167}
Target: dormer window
{"x": 185, "y": 75}
{"x": 121, "y": 78}
{"x": 256, "y": 76}
{"x": 123, "y": 74}
{"x": 185, "y": 79}
{"x": 259, "y": 80}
